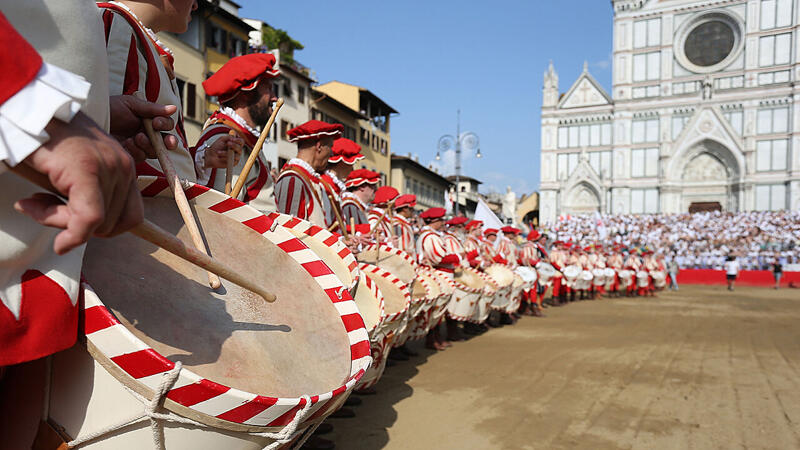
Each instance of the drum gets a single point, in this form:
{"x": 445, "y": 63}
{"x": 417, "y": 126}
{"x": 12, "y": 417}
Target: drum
{"x": 396, "y": 261}
{"x": 490, "y": 291}
{"x": 528, "y": 274}
{"x": 625, "y": 278}
{"x": 225, "y": 364}
{"x": 571, "y": 275}
{"x": 515, "y": 297}
{"x": 546, "y": 272}
{"x": 447, "y": 286}
{"x": 468, "y": 290}
{"x": 504, "y": 278}
{"x": 426, "y": 288}
{"x": 599, "y": 276}
{"x": 610, "y": 275}
{"x": 642, "y": 279}
{"x": 325, "y": 244}
{"x": 370, "y": 302}
{"x": 396, "y": 301}
{"x": 659, "y": 279}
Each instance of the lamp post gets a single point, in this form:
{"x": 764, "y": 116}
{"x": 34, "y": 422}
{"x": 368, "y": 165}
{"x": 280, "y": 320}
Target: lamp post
{"x": 468, "y": 141}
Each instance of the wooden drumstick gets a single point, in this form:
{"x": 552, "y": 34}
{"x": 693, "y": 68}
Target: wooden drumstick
{"x": 380, "y": 219}
{"x": 161, "y": 238}
{"x": 255, "y": 151}
{"x": 353, "y": 226}
{"x": 180, "y": 196}
{"x": 339, "y": 220}
{"x": 229, "y": 167}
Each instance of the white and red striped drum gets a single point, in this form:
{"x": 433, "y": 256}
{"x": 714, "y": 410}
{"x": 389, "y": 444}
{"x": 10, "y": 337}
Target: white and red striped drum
{"x": 610, "y": 276}
{"x": 490, "y": 291}
{"x": 599, "y": 276}
{"x": 469, "y": 286}
{"x": 325, "y": 244}
{"x": 426, "y": 288}
{"x": 571, "y": 274}
{"x": 235, "y": 371}
{"x": 504, "y": 279}
{"x": 371, "y": 305}
{"x": 625, "y": 278}
{"x": 447, "y": 286}
{"x": 546, "y": 272}
{"x": 515, "y": 297}
{"x": 396, "y": 261}
{"x": 396, "y": 302}
{"x": 584, "y": 280}
{"x": 642, "y": 279}
{"x": 659, "y": 278}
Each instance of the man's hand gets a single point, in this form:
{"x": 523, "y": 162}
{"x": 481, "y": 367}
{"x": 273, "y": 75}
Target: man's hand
{"x": 97, "y": 176}
{"x": 127, "y": 113}
{"x": 217, "y": 154}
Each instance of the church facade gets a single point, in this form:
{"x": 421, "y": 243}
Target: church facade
{"x": 702, "y": 114}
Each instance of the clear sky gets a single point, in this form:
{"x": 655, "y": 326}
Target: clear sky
{"x": 428, "y": 59}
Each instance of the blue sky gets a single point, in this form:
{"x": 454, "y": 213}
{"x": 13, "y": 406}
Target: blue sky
{"x": 428, "y": 59}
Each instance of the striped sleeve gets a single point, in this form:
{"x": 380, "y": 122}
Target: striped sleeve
{"x": 127, "y": 65}
{"x": 293, "y": 196}
{"x": 350, "y": 209}
{"x": 432, "y": 249}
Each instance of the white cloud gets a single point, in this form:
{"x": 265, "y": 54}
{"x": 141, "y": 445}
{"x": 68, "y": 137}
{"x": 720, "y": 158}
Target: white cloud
{"x": 498, "y": 182}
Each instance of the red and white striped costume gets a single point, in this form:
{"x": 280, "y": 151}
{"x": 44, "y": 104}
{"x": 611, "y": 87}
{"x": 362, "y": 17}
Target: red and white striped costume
{"x": 298, "y": 192}
{"x": 472, "y": 249}
{"x": 431, "y": 251}
{"x": 352, "y": 206}
{"x": 453, "y": 245}
{"x": 376, "y": 214}
{"x": 258, "y": 190}
{"x": 405, "y": 233}
{"x": 507, "y": 250}
{"x": 332, "y": 188}
{"x": 41, "y": 81}
{"x": 138, "y": 63}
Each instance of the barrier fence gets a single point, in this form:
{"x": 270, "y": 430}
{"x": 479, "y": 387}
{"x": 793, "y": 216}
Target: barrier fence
{"x": 745, "y": 278}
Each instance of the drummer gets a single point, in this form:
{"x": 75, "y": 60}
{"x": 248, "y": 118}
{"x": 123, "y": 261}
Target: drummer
{"x": 344, "y": 155}
{"x": 244, "y": 90}
{"x": 558, "y": 259}
{"x": 473, "y": 244}
{"x": 489, "y": 250}
{"x": 532, "y": 252}
{"x": 403, "y": 212}
{"x": 380, "y": 215}
{"x": 508, "y": 244}
{"x": 431, "y": 252}
{"x": 453, "y": 236}
{"x": 298, "y": 191}
{"x": 361, "y": 185}
{"x": 146, "y": 69}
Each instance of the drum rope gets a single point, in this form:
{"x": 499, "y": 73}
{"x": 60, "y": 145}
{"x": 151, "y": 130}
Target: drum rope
{"x": 157, "y": 419}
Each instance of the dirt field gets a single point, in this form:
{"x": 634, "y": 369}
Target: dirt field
{"x": 702, "y": 368}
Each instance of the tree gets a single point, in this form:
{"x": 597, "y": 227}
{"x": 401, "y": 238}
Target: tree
{"x": 276, "y": 38}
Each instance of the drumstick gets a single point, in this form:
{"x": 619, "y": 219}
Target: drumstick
{"x": 339, "y": 220}
{"x": 380, "y": 219}
{"x": 255, "y": 151}
{"x": 180, "y": 196}
{"x": 229, "y": 168}
{"x": 353, "y": 225}
{"x": 163, "y": 239}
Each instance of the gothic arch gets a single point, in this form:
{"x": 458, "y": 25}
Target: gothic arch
{"x": 583, "y": 198}
{"x": 707, "y": 171}
{"x": 733, "y": 161}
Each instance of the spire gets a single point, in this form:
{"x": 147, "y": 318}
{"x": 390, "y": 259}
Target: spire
{"x": 550, "y": 90}
{"x": 585, "y": 66}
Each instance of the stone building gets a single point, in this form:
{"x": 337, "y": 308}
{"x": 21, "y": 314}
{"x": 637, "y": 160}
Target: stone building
{"x": 701, "y": 114}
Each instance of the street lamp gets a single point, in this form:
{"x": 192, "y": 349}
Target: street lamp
{"x": 468, "y": 141}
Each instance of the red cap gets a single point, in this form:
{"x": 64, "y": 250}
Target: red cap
{"x": 490, "y": 231}
{"x": 474, "y": 224}
{"x": 384, "y": 195}
{"x": 534, "y": 235}
{"x": 457, "y": 220}
{"x": 360, "y": 176}
{"x": 241, "y": 73}
{"x": 433, "y": 213}
{"x": 314, "y": 129}
{"x": 345, "y": 150}
{"x": 409, "y": 200}
{"x": 510, "y": 230}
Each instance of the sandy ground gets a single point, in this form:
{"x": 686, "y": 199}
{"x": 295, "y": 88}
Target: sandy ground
{"x": 702, "y": 368}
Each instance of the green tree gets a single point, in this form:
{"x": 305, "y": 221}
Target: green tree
{"x": 280, "y": 39}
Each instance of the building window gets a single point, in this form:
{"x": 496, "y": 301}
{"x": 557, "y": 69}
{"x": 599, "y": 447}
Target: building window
{"x": 365, "y": 136}
{"x": 217, "y": 38}
{"x": 774, "y": 50}
{"x": 770, "y": 197}
{"x": 350, "y": 133}
{"x": 644, "y": 201}
{"x": 301, "y": 94}
{"x": 776, "y": 14}
{"x": 647, "y": 33}
{"x": 287, "y": 88}
{"x": 284, "y": 130}
{"x": 408, "y": 186}
{"x": 566, "y": 164}
{"x": 646, "y": 91}
{"x": 678, "y": 122}
{"x": 644, "y": 162}
{"x": 191, "y": 100}
{"x": 593, "y": 135}
{"x": 644, "y": 130}
{"x": 601, "y": 163}
{"x": 773, "y": 120}
{"x": 647, "y": 66}
{"x": 771, "y": 155}
{"x": 734, "y": 117}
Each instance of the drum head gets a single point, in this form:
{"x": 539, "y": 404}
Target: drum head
{"x": 469, "y": 278}
{"x": 295, "y": 346}
{"x": 501, "y": 274}
{"x": 396, "y": 261}
{"x": 429, "y": 283}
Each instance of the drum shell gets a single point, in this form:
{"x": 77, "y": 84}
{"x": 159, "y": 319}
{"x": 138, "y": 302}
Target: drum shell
{"x": 642, "y": 279}
{"x": 599, "y": 277}
{"x": 465, "y": 297}
{"x": 611, "y": 275}
{"x": 397, "y": 301}
{"x": 515, "y": 296}
{"x": 447, "y": 287}
{"x": 96, "y": 380}
{"x": 396, "y": 261}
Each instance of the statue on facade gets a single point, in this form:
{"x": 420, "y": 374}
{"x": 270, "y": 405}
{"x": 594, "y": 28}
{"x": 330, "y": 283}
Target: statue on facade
{"x": 510, "y": 205}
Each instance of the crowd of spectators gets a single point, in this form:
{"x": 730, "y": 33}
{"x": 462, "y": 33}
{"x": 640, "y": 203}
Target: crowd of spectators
{"x": 701, "y": 240}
